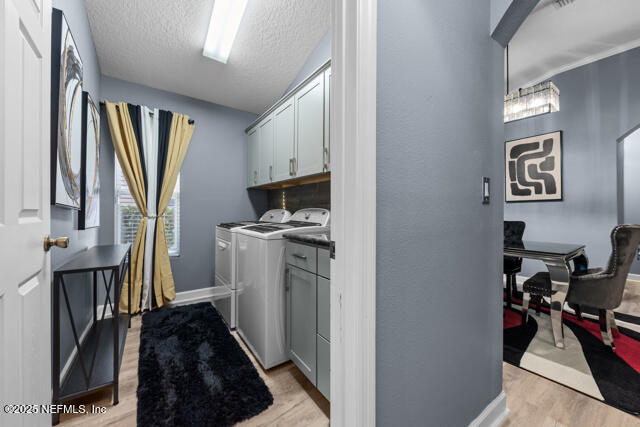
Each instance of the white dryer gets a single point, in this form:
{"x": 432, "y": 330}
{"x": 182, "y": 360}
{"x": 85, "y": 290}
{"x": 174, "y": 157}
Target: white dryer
{"x": 225, "y": 275}
{"x": 261, "y": 283}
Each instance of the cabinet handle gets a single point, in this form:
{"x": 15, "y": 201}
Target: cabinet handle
{"x": 255, "y": 177}
{"x": 270, "y": 172}
{"x": 300, "y": 256}
{"x": 295, "y": 165}
{"x": 287, "y": 279}
{"x": 325, "y": 159}
{"x": 291, "y": 167}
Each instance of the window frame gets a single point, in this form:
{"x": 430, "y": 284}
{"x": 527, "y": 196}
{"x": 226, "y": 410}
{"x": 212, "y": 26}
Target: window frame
{"x": 116, "y": 211}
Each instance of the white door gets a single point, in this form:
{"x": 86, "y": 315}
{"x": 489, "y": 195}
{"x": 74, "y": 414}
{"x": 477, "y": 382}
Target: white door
{"x": 310, "y": 128}
{"x": 631, "y": 187}
{"x": 25, "y": 304}
{"x": 265, "y": 171}
{"x": 284, "y": 140}
{"x": 253, "y": 156}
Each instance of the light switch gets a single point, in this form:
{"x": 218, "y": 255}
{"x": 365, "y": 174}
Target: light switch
{"x": 486, "y": 191}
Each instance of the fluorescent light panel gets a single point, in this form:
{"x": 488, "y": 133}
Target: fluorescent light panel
{"x": 223, "y": 27}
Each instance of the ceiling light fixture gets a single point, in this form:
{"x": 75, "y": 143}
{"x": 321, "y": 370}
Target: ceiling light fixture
{"x": 223, "y": 27}
{"x": 532, "y": 101}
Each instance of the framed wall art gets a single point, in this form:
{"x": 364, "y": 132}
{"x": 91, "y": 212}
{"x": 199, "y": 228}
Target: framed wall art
{"x": 66, "y": 114}
{"x": 533, "y": 168}
{"x": 89, "y": 216}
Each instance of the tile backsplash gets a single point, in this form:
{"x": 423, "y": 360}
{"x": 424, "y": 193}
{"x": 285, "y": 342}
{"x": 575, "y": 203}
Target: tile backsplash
{"x": 304, "y": 196}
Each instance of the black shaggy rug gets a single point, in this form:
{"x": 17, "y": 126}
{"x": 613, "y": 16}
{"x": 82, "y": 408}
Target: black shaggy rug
{"x": 192, "y": 372}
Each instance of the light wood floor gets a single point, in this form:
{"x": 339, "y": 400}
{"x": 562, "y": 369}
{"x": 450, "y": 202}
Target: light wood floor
{"x": 532, "y": 400}
{"x": 295, "y": 401}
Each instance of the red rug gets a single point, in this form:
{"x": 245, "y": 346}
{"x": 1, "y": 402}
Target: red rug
{"x": 585, "y": 364}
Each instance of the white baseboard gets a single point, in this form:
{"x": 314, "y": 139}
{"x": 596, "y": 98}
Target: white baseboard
{"x": 634, "y": 277}
{"x": 67, "y": 365}
{"x": 494, "y": 414}
{"x": 209, "y": 293}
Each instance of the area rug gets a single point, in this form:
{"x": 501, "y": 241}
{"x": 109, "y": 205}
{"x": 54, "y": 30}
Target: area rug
{"x": 585, "y": 364}
{"x": 192, "y": 372}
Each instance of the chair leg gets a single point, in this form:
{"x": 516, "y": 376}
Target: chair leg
{"x": 538, "y": 305}
{"x": 605, "y": 328}
{"x": 514, "y": 286}
{"x": 612, "y": 320}
{"x": 508, "y": 289}
{"x": 525, "y": 307}
{"x": 576, "y": 308}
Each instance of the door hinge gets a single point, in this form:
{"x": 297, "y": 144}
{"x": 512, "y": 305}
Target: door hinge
{"x": 332, "y": 250}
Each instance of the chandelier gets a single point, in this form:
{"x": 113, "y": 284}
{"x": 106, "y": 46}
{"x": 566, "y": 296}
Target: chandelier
{"x": 531, "y": 101}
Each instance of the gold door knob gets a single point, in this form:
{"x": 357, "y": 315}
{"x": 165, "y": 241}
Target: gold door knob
{"x": 61, "y": 242}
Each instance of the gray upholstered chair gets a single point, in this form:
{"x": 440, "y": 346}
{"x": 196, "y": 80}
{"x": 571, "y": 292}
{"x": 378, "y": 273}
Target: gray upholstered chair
{"x": 595, "y": 288}
{"x": 513, "y": 231}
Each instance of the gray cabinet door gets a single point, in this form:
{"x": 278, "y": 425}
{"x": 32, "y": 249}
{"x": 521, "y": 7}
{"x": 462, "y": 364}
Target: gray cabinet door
{"x": 324, "y": 367}
{"x": 327, "y": 92}
{"x": 265, "y": 169}
{"x": 324, "y": 310}
{"x": 309, "y": 115}
{"x": 302, "y": 320}
{"x": 253, "y": 157}
{"x": 284, "y": 141}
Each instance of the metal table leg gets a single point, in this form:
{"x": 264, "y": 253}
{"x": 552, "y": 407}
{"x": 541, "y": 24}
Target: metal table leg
{"x": 560, "y": 273}
{"x": 116, "y": 333}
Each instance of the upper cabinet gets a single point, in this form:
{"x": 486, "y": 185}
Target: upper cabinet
{"x": 327, "y": 117}
{"x": 284, "y": 141}
{"x": 291, "y": 140}
{"x": 309, "y": 102}
{"x": 253, "y": 157}
{"x": 265, "y": 170}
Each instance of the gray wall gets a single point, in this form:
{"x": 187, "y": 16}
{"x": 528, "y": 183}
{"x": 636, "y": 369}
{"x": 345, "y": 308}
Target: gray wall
{"x": 213, "y": 179}
{"x": 599, "y": 102}
{"x": 64, "y": 222}
{"x": 320, "y": 55}
{"x": 439, "y": 250}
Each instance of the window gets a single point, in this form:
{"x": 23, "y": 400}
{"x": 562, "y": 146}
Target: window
{"x": 128, "y": 217}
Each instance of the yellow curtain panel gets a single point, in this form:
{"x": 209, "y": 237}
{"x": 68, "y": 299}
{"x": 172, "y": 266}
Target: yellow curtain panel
{"x": 126, "y": 148}
{"x": 179, "y": 139}
{"x": 128, "y": 152}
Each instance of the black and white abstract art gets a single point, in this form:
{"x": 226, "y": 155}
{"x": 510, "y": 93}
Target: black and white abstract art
{"x": 533, "y": 168}
{"x": 89, "y": 216}
{"x": 66, "y": 115}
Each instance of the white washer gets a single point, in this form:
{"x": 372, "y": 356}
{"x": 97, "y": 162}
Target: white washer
{"x": 225, "y": 275}
{"x": 261, "y": 283}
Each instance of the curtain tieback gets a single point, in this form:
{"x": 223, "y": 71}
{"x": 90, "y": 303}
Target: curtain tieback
{"x": 154, "y": 216}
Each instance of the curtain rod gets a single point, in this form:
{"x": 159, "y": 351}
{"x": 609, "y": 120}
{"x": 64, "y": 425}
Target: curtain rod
{"x": 191, "y": 121}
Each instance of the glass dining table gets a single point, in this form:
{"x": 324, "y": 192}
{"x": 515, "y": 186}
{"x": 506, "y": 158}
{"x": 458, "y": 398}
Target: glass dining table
{"x": 556, "y": 257}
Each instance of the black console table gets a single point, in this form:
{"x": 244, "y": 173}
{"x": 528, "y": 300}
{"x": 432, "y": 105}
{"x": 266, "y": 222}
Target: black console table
{"x": 96, "y": 363}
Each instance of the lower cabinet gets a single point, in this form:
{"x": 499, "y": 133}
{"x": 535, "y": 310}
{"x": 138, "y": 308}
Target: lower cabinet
{"x": 308, "y": 316}
{"x": 302, "y": 320}
{"x": 323, "y": 363}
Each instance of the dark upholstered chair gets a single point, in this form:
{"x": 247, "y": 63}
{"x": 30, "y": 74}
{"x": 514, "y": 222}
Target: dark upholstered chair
{"x": 513, "y": 231}
{"x": 595, "y": 288}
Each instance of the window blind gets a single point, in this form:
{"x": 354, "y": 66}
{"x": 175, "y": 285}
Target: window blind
{"x": 128, "y": 217}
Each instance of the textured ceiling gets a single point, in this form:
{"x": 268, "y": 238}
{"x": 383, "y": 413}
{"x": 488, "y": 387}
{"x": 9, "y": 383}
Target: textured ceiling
{"x": 158, "y": 43}
{"x": 553, "y": 40}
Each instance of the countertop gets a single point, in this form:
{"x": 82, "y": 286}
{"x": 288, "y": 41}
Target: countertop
{"x": 322, "y": 238}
